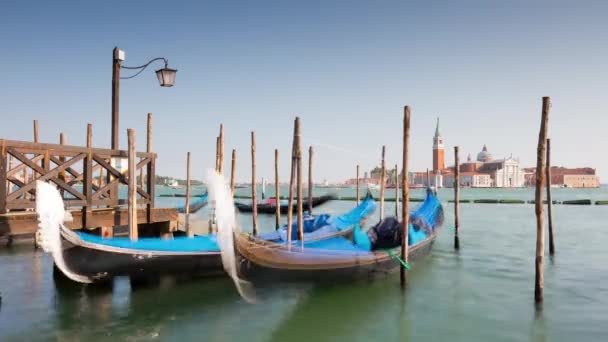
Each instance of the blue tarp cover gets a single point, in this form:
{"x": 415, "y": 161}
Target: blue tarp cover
{"x": 203, "y": 243}
{"x": 324, "y": 224}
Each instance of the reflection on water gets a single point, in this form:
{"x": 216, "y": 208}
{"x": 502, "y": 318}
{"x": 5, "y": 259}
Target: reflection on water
{"x": 482, "y": 293}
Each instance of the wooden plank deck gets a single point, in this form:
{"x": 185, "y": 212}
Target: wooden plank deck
{"x": 25, "y": 223}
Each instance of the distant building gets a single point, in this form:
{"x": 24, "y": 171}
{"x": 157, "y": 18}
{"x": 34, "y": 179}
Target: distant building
{"x": 489, "y": 172}
{"x": 567, "y": 177}
{"x": 376, "y": 176}
{"x": 484, "y": 172}
{"x": 469, "y": 179}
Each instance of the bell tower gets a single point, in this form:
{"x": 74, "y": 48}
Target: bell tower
{"x": 438, "y": 152}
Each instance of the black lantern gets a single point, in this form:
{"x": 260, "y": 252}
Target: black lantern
{"x": 166, "y": 76}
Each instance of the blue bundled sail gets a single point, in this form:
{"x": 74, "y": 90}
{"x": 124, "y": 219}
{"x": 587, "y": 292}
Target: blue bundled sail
{"x": 316, "y": 227}
{"x": 196, "y": 205}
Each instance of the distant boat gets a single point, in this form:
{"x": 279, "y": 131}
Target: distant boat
{"x": 373, "y": 186}
{"x": 269, "y": 206}
{"x": 173, "y": 184}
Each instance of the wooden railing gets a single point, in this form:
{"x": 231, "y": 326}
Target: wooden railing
{"x": 87, "y": 177}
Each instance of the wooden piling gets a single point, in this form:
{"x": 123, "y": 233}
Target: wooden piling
{"x": 87, "y": 180}
{"x": 61, "y": 176}
{"x": 142, "y": 179}
{"x": 189, "y": 230}
{"x": 4, "y": 168}
{"x": 277, "y": 195}
{"x": 36, "y": 131}
{"x": 132, "y": 201}
{"x": 150, "y": 171}
{"x": 233, "y": 173}
{"x": 549, "y": 199}
{"x": 299, "y": 173}
{"x": 405, "y": 194}
{"x": 382, "y": 181}
{"x": 428, "y": 178}
{"x": 357, "y": 182}
{"x": 396, "y": 192}
{"x": 149, "y": 134}
{"x": 220, "y": 169}
{"x": 310, "y": 180}
{"x": 217, "y": 154}
{"x": 254, "y": 200}
{"x": 540, "y": 178}
{"x": 291, "y": 181}
{"x": 456, "y": 198}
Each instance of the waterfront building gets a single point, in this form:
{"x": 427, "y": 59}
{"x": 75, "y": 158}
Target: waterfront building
{"x": 584, "y": 177}
{"x": 469, "y": 180}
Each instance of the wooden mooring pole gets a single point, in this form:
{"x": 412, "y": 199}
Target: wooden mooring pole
{"x": 540, "y": 178}
{"x": 189, "y": 230}
{"x": 217, "y": 154}
{"x": 277, "y": 195}
{"x": 87, "y": 181}
{"x": 300, "y": 176}
{"x": 36, "y": 131}
{"x": 150, "y": 170}
{"x": 148, "y": 148}
{"x": 132, "y": 201}
{"x": 456, "y": 198}
{"x": 62, "y": 141}
{"x": 396, "y": 192}
{"x": 382, "y": 181}
{"x": 428, "y": 178}
{"x": 254, "y": 200}
{"x": 4, "y": 168}
{"x": 220, "y": 168}
{"x": 291, "y": 181}
{"x": 233, "y": 173}
{"x": 310, "y": 180}
{"x": 405, "y": 196}
{"x": 549, "y": 200}
{"x": 357, "y": 182}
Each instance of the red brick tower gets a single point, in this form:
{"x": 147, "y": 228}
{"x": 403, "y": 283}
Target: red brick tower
{"x": 438, "y": 157}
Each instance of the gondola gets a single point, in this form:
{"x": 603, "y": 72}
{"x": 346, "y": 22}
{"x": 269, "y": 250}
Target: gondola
{"x": 97, "y": 258}
{"x": 269, "y": 207}
{"x": 338, "y": 258}
{"x": 86, "y": 258}
{"x": 196, "y": 205}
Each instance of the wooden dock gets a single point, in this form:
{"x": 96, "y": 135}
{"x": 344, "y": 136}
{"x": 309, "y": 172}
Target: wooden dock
{"x": 89, "y": 180}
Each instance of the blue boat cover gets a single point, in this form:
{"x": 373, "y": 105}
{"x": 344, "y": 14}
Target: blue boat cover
{"x": 203, "y": 198}
{"x": 324, "y": 224}
{"x": 202, "y": 243}
{"x": 423, "y": 221}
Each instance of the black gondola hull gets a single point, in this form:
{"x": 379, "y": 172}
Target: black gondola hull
{"x": 100, "y": 264}
{"x": 263, "y": 208}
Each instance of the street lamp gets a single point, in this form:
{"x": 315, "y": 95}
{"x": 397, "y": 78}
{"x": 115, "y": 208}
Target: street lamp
{"x": 165, "y": 75}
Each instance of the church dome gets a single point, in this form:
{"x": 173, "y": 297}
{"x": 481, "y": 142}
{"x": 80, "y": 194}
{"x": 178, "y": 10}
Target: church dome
{"x": 484, "y": 155}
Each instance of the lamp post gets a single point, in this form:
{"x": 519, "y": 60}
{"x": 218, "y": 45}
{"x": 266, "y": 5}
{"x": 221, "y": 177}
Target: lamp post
{"x": 165, "y": 75}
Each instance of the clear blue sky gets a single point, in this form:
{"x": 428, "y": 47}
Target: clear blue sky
{"x": 346, "y": 67}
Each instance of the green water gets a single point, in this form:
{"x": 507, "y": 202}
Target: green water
{"x": 482, "y": 293}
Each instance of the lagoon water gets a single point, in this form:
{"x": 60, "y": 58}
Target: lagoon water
{"x": 482, "y": 293}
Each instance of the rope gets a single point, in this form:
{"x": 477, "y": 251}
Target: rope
{"x": 394, "y": 256}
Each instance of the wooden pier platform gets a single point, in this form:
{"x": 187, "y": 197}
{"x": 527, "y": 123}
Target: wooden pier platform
{"x": 23, "y": 225}
{"x": 89, "y": 180}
